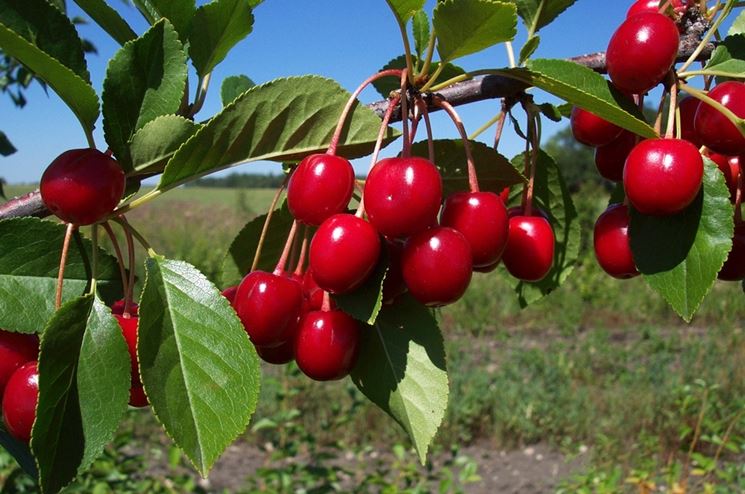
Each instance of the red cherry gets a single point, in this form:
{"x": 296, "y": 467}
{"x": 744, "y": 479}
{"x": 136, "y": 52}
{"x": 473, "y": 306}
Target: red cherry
{"x": 81, "y": 186}
{"x": 137, "y": 397}
{"x": 663, "y": 176}
{"x": 320, "y": 187}
{"x": 611, "y": 242}
{"x": 229, "y": 293}
{"x": 642, "y": 51}
{"x": 482, "y": 218}
{"x": 688, "y": 107}
{"x": 15, "y": 350}
{"x": 269, "y": 307}
{"x": 505, "y": 195}
{"x": 730, "y": 167}
{"x": 713, "y": 129}
{"x": 402, "y": 196}
{"x": 19, "y": 401}
{"x": 394, "y": 284}
{"x": 529, "y": 255}
{"x": 592, "y": 130}
{"x": 643, "y": 6}
{"x": 610, "y": 159}
{"x": 129, "y": 330}
{"x": 118, "y": 308}
{"x": 437, "y": 266}
{"x": 326, "y": 345}
{"x": 343, "y": 253}
{"x": 278, "y": 355}
{"x": 734, "y": 266}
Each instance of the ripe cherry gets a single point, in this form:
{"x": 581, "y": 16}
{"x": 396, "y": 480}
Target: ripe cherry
{"x": 81, "y": 186}
{"x": 269, "y": 307}
{"x": 610, "y": 159}
{"x": 592, "y": 130}
{"x": 343, "y": 253}
{"x": 129, "y": 327}
{"x": 642, "y": 51}
{"x": 118, "y": 308}
{"x": 663, "y": 176}
{"x": 713, "y": 128}
{"x": 320, "y": 187}
{"x": 278, "y": 355}
{"x": 15, "y": 350}
{"x": 326, "y": 345}
{"x": 19, "y": 401}
{"x": 482, "y": 218}
{"x": 611, "y": 242}
{"x": 437, "y": 266}
{"x": 734, "y": 266}
{"x": 229, "y": 293}
{"x": 643, "y": 6}
{"x": 688, "y": 107}
{"x": 529, "y": 255}
{"x": 137, "y": 397}
{"x": 730, "y": 167}
{"x": 402, "y": 196}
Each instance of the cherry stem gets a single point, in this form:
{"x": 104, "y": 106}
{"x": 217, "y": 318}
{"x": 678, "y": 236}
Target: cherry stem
{"x": 300, "y": 266}
{"x": 658, "y": 118}
{"x": 280, "y": 269}
{"x": 712, "y": 30}
{"x": 473, "y": 181}
{"x": 671, "y": 111}
{"x": 406, "y": 152}
{"x": 378, "y": 144}
{"x": 350, "y": 103}
{"x": 500, "y": 125}
{"x": 130, "y": 230}
{"x": 430, "y": 140}
{"x": 533, "y": 131}
{"x": 62, "y": 263}
{"x": 267, "y": 220}
{"x": 119, "y": 256}
{"x": 326, "y": 305}
{"x": 129, "y": 293}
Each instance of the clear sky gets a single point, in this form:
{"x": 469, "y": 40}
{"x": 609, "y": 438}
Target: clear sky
{"x": 346, "y": 40}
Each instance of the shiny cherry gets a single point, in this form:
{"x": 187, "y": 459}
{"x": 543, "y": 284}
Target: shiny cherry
{"x": 643, "y": 6}
{"x": 19, "y": 401}
{"x": 278, "y": 355}
{"x": 482, "y": 218}
{"x": 529, "y": 255}
{"x": 610, "y": 159}
{"x": 591, "y": 130}
{"x": 137, "y": 397}
{"x": 402, "y": 196}
{"x": 81, "y": 186}
{"x": 642, "y": 51}
{"x": 437, "y": 266}
{"x": 688, "y": 107}
{"x": 343, "y": 253}
{"x": 15, "y": 350}
{"x": 327, "y": 344}
{"x": 321, "y": 186}
{"x": 714, "y": 129}
{"x": 129, "y": 330}
{"x": 611, "y": 242}
{"x": 663, "y": 176}
{"x": 734, "y": 266}
{"x": 269, "y": 307}
{"x": 730, "y": 168}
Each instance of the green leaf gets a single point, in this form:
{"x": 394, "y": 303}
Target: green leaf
{"x": 109, "y": 19}
{"x": 6, "y": 147}
{"x": 29, "y": 263}
{"x": 84, "y": 379}
{"x": 388, "y": 84}
{"x": 237, "y": 262}
{"x": 401, "y": 368}
{"x": 728, "y": 59}
{"x": 77, "y": 94}
{"x": 405, "y": 9}
{"x": 364, "y": 302}
{"x": 200, "y": 372}
{"x": 144, "y": 80}
{"x": 494, "y": 171}
{"x": 234, "y": 86}
{"x": 179, "y": 12}
{"x": 282, "y": 120}
{"x": 154, "y": 144}
{"x": 464, "y": 27}
{"x": 539, "y": 13}
{"x": 680, "y": 255}
{"x": 738, "y": 26}
{"x": 550, "y": 111}
{"x": 530, "y": 46}
{"x": 585, "y": 88}
{"x": 222, "y": 24}
{"x": 48, "y": 29}
{"x": 18, "y": 450}
{"x": 420, "y": 29}
{"x": 552, "y": 196}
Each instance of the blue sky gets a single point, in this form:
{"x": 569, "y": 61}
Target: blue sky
{"x": 341, "y": 39}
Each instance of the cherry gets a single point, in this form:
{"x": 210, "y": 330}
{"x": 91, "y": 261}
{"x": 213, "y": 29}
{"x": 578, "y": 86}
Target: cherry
{"x": 137, "y": 397}
{"x": 688, "y": 107}
{"x": 15, "y": 350}
{"x": 118, "y": 308}
{"x": 643, "y": 6}
{"x": 320, "y": 187}
{"x": 129, "y": 327}
{"x": 278, "y": 355}
{"x": 269, "y": 307}
{"x": 529, "y": 255}
{"x": 326, "y": 345}
{"x": 611, "y": 242}
{"x": 610, "y": 159}
{"x": 734, "y": 266}
{"x": 343, "y": 253}
{"x": 663, "y": 176}
{"x": 482, "y": 218}
{"x": 592, "y": 130}
{"x": 229, "y": 293}
{"x": 82, "y": 186}
{"x": 19, "y": 401}
{"x": 642, "y": 51}
{"x": 402, "y": 196}
{"x": 505, "y": 195}
{"x": 713, "y": 129}
{"x": 437, "y": 266}
{"x": 730, "y": 167}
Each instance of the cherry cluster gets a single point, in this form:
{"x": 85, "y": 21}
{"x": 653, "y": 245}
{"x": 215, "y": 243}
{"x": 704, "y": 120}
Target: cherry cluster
{"x": 661, "y": 176}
